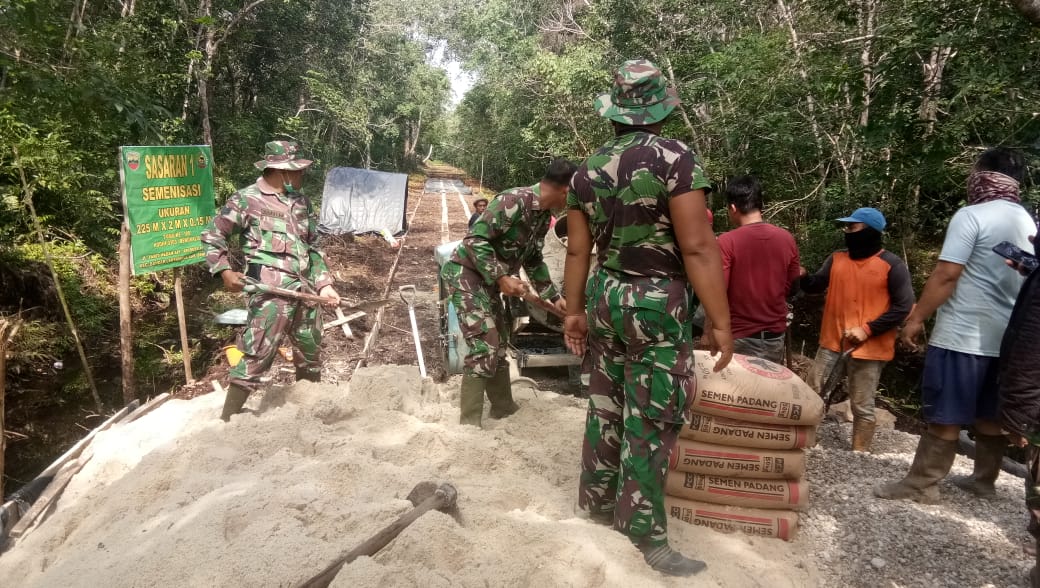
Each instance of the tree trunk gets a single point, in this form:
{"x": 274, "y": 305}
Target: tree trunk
{"x": 205, "y": 8}
{"x": 803, "y": 73}
{"x": 49, "y": 262}
{"x": 928, "y": 113}
{"x": 933, "y": 70}
{"x": 7, "y": 332}
{"x": 682, "y": 110}
{"x": 867, "y": 25}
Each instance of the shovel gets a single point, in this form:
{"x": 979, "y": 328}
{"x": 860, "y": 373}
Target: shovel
{"x": 408, "y": 297}
{"x": 425, "y": 496}
{"x": 253, "y": 286}
{"x": 830, "y": 384}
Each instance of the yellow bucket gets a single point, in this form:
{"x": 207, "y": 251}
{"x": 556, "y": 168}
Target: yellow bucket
{"x": 233, "y": 355}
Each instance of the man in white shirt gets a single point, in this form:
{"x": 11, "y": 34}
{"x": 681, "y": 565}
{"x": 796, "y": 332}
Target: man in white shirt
{"x": 974, "y": 294}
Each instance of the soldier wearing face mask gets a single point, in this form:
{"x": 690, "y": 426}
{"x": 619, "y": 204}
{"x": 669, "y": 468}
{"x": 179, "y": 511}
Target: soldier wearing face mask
{"x": 279, "y": 236}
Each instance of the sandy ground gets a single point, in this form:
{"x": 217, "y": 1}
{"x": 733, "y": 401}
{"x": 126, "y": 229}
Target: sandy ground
{"x": 178, "y": 498}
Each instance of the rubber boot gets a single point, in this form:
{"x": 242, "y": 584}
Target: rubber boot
{"x": 666, "y": 560}
{"x": 471, "y": 400}
{"x": 309, "y": 374}
{"x": 500, "y": 393}
{"x": 932, "y": 462}
{"x": 862, "y": 434}
{"x": 234, "y": 401}
{"x": 989, "y": 455}
{"x": 1034, "y": 574}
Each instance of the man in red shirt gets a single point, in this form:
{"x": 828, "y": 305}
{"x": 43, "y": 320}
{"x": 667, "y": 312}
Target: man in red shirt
{"x": 760, "y": 262}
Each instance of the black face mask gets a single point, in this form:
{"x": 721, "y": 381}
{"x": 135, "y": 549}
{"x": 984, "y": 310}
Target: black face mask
{"x": 863, "y": 244}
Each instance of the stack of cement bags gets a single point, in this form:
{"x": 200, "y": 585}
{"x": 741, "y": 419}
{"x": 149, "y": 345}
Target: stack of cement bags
{"x": 739, "y": 465}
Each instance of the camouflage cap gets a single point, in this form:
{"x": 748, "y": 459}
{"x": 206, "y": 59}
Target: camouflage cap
{"x": 640, "y": 95}
{"x": 282, "y": 155}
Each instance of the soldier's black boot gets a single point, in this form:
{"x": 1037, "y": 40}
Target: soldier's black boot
{"x": 500, "y": 393}
{"x": 666, "y": 560}
{"x": 234, "y": 401}
{"x": 309, "y": 374}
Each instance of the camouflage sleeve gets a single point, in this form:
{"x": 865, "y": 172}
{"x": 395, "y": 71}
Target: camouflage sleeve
{"x": 687, "y": 175}
{"x": 231, "y": 217}
{"x": 319, "y": 267}
{"x": 320, "y": 274}
{"x": 495, "y": 222}
{"x": 573, "y": 202}
{"x": 538, "y": 273}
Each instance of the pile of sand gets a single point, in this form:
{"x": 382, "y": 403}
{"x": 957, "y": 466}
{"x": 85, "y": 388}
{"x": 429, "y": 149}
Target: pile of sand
{"x": 178, "y": 498}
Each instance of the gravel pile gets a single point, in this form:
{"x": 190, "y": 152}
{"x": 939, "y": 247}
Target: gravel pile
{"x": 861, "y": 540}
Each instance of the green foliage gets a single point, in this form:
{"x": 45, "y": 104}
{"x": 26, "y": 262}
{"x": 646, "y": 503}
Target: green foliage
{"x": 350, "y": 80}
{"x": 84, "y": 279}
{"x": 879, "y": 102}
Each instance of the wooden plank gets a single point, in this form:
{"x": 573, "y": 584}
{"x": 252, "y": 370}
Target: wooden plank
{"x": 78, "y": 448}
{"x": 148, "y": 407}
{"x": 183, "y": 324}
{"x": 126, "y": 347}
{"x": 346, "y": 324}
{"x": 346, "y": 319}
{"x": 40, "y": 508}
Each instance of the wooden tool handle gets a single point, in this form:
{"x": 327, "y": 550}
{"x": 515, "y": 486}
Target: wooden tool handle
{"x": 444, "y": 497}
{"x": 544, "y": 304}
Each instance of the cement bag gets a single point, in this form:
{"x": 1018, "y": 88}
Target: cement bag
{"x": 748, "y": 492}
{"x": 755, "y": 390}
{"x": 737, "y": 462}
{"x": 713, "y": 429}
{"x": 780, "y": 524}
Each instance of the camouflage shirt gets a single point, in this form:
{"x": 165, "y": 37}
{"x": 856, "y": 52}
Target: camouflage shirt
{"x": 509, "y": 234}
{"x": 624, "y": 189}
{"x": 276, "y": 230}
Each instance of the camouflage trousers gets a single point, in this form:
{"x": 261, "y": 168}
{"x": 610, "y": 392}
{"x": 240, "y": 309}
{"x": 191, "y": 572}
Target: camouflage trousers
{"x": 482, "y": 318}
{"x": 270, "y": 319}
{"x": 641, "y": 388}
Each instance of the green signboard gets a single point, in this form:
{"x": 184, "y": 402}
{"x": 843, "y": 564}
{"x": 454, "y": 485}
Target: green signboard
{"x": 168, "y": 199}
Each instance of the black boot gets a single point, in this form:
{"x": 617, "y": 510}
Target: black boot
{"x": 1034, "y": 574}
{"x": 471, "y": 400}
{"x": 234, "y": 401}
{"x": 666, "y": 560}
{"x": 932, "y": 462}
{"x": 989, "y": 455}
{"x": 500, "y": 393}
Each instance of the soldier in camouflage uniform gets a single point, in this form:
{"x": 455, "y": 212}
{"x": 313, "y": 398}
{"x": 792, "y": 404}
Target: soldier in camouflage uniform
{"x": 508, "y": 236}
{"x": 278, "y": 237}
{"x": 640, "y": 199}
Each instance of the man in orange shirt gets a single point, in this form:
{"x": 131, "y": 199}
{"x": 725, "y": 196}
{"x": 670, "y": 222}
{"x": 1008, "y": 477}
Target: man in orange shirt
{"x": 868, "y": 296}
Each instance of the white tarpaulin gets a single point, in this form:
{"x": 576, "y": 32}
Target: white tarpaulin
{"x": 363, "y": 201}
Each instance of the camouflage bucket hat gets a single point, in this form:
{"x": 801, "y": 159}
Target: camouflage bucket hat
{"x": 639, "y": 96}
{"x": 282, "y": 155}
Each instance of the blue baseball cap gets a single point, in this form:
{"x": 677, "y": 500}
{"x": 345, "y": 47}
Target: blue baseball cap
{"x": 871, "y": 217}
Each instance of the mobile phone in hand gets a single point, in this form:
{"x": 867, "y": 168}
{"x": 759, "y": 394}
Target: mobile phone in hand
{"x": 1027, "y": 261}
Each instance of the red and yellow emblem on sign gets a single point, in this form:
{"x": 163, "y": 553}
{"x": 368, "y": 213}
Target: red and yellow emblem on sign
{"x": 133, "y": 160}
